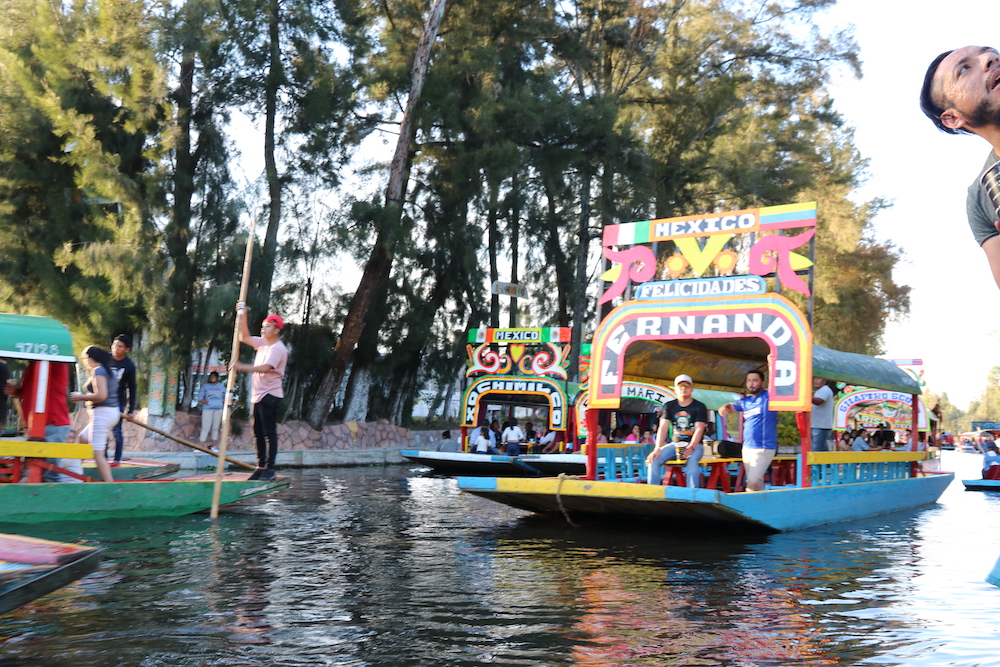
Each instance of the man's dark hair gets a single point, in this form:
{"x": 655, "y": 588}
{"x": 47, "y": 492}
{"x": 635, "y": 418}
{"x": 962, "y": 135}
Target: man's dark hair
{"x": 927, "y": 104}
{"x": 446, "y": 435}
{"x": 125, "y": 340}
{"x": 761, "y": 374}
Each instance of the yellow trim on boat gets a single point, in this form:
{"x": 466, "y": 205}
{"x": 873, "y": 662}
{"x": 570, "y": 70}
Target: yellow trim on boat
{"x": 816, "y": 458}
{"x": 579, "y": 487}
{"x": 46, "y": 450}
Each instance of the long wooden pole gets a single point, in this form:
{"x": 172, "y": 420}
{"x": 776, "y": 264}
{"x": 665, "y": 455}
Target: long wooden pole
{"x": 231, "y": 379}
{"x": 186, "y": 443}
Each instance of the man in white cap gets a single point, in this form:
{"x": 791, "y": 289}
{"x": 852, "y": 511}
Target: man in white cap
{"x": 689, "y": 419}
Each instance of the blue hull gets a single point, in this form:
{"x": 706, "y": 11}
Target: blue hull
{"x": 781, "y": 509}
{"x": 981, "y": 484}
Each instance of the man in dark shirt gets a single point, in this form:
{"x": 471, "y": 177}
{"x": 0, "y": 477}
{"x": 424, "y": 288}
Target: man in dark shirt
{"x": 689, "y": 418}
{"x": 124, "y": 371}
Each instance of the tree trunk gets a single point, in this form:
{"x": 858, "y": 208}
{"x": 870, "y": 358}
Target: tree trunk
{"x": 380, "y": 261}
{"x": 264, "y": 268}
{"x": 580, "y": 286}
{"x": 515, "y": 236}
{"x": 181, "y": 282}
{"x": 493, "y": 239}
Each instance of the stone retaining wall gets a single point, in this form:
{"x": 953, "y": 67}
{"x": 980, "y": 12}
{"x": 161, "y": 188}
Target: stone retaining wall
{"x": 292, "y": 435}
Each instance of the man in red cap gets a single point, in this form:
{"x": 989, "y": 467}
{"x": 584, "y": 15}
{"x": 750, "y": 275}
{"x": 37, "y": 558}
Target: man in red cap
{"x": 268, "y": 369}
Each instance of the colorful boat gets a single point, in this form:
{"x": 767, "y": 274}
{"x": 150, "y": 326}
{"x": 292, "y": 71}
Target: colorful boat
{"x": 508, "y": 370}
{"x": 27, "y": 499}
{"x": 44, "y": 501}
{"x": 467, "y": 463}
{"x": 715, "y": 326}
{"x": 981, "y": 484}
{"x": 31, "y": 568}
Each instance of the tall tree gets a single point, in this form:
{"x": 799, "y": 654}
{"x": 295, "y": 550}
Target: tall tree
{"x": 80, "y": 143}
{"x": 380, "y": 262}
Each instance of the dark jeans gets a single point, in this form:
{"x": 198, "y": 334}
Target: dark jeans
{"x": 119, "y": 440}
{"x": 265, "y": 430}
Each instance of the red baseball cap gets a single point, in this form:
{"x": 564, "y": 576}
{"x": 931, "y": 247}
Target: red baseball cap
{"x": 275, "y": 320}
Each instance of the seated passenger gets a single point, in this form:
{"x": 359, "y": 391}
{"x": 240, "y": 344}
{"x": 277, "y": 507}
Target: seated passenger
{"x": 860, "y": 443}
{"x": 548, "y": 441}
{"x": 991, "y": 462}
{"x": 446, "y": 444}
{"x": 482, "y": 442}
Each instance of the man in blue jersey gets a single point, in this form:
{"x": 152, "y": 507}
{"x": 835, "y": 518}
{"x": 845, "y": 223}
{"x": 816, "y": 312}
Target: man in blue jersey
{"x": 760, "y": 430}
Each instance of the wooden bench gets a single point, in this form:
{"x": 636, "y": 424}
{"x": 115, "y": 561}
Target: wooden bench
{"x": 782, "y": 472}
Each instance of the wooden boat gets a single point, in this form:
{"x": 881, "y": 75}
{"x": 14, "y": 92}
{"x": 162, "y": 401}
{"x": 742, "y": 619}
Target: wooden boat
{"x": 981, "y": 484}
{"x": 134, "y": 469}
{"x": 466, "y": 463}
{"x": 716, "y": 329}
{"x": 31, "y": 568}
{"x": 37, "y": 502}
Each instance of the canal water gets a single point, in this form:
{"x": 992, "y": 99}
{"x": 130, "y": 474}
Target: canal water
{"x": 384, "y": 566}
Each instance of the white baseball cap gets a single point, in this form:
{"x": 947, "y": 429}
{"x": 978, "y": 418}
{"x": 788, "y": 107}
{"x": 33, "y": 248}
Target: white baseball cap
{"x": 683, "y": 378}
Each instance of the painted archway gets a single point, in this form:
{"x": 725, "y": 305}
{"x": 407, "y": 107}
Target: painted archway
{"x": 505, "y": 386}
{"x": 892, "y": 407}
{"x": 769, "y": 317}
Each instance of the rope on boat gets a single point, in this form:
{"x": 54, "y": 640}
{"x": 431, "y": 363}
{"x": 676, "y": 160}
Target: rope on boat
{"x": 564, "y": 476}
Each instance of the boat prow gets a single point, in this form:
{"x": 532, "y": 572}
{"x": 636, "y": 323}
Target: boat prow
{"x": 981, "y": 484}
{"x": 31, "y": 568}
{"x": 466, "y": 463}
{"x": 777, "y": 510}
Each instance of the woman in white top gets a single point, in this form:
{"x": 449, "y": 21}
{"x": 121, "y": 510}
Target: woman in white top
{"x": 483, "y": 441}
{"x": 102, "y": 405}
{"x": 512, "y": 437}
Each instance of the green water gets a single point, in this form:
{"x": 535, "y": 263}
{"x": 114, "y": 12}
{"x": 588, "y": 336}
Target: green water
{"x": 382, "y": 566}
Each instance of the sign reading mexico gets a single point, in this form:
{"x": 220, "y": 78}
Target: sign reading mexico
{"x": 770, "y": 317}
{"x": 702, "y": 242}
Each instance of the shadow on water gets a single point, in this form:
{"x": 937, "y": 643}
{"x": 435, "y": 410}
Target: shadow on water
{"x": 380, "y": 566}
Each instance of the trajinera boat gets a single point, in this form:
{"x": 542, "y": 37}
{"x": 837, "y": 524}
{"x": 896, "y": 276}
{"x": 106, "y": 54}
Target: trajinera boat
{"x": 27, "y": 499}
{"x": 508, "y": 369}
{"x": 31, "y": 568}
{"x": 716, "y": 326}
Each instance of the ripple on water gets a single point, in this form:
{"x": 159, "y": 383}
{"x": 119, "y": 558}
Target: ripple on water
{"x": 379, "y": 566}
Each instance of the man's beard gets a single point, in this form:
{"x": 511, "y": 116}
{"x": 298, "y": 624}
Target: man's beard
{"x": 984, "y": 114}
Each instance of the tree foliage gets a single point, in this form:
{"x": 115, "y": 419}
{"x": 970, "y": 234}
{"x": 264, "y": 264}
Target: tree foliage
{"x": 540, "y": 123}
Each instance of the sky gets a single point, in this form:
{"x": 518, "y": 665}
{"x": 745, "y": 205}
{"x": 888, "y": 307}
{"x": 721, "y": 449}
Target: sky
{"x": 953, "y": 324}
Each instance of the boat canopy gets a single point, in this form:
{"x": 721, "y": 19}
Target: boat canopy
{"x": 722, "y": 364}
{"x": 31, "y": 337}
{"x": 863, "y": 371}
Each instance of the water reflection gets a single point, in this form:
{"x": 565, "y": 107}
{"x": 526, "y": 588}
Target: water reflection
{"x": 379, "y": 567}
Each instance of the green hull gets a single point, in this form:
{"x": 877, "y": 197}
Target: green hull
{"x": 35, "y": 503}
